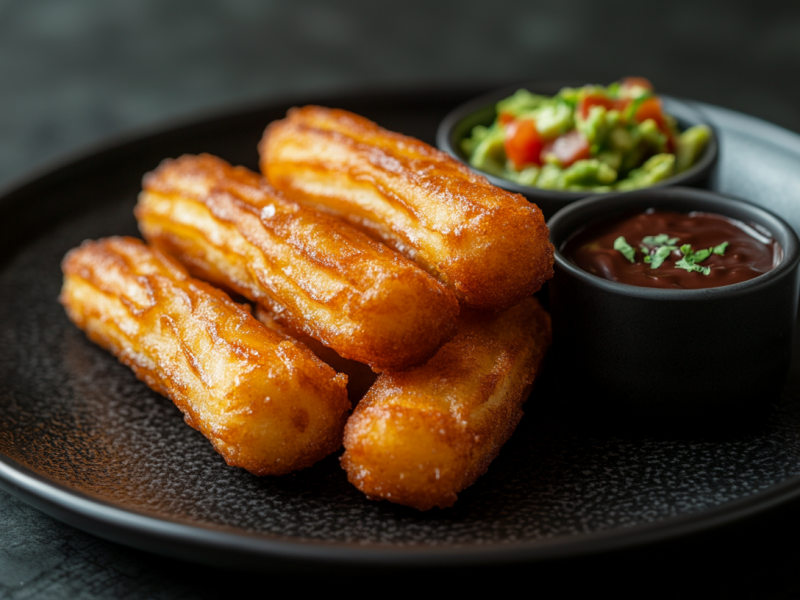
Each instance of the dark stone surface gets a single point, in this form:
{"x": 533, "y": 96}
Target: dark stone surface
{"x": 75, "y": 73}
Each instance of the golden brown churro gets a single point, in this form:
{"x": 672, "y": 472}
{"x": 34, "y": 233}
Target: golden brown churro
{"x": 266, "y": 403}
{"x": 359, "y": 376}
{"x": 420, "y": 437}
{"x": 316, "y": 274}
{"x": 488, "y": 245}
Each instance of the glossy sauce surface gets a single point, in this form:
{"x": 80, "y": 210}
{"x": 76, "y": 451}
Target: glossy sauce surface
{"x": 751, "y": 251}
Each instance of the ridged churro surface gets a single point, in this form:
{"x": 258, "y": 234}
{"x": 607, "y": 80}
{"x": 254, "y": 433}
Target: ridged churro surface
{"x": 315, "y": 273}
{"x": 266, "y": 403}
{"x": 489, "y": 246}
{"x": 420, "y": 437}
{"x": 359, "y": 376}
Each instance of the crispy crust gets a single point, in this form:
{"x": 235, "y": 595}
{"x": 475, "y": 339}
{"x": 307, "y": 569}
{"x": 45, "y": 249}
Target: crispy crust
{"x": 266, "y": 403}
{"x": 420, "y": 437}
{"x": 315, "y": 273}
{"x": 359, "y": 376}
{"x": 489, "y": 246}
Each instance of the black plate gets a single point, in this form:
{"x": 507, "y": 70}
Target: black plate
{"x": 83, "y": 440}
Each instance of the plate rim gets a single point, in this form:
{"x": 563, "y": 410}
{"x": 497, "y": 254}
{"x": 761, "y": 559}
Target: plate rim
{"x": 204, "y": 542}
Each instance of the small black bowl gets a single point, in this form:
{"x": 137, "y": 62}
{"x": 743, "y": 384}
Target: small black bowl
{"x": 481, "y": 111}
{"x": 672, "y": 355}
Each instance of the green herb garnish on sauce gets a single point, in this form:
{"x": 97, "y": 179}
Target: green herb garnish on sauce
{"x": 691, "y": 266}
{"x": 661, "y": 246}
{"x": 720, "y": 250}
{"x": 659, "y": 240}
{"x": 659, "y": 256}
{"x": 691, "y": 258}
{"x": 627, "y": 250}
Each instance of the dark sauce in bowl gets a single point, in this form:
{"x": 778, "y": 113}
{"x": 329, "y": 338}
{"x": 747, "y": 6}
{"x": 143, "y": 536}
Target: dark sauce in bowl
{"x": 751, "y": 250}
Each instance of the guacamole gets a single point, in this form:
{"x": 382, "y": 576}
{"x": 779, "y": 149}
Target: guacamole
{"x": 592, "y": 138}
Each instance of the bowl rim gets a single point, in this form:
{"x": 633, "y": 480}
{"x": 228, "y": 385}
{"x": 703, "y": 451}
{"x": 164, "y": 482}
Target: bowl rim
{"x": 593, "y": 208}
{"x": 445, "y": 142}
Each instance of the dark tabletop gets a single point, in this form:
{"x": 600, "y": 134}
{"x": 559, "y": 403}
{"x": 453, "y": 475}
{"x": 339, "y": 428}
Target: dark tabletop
{"x": 76, "y": 73}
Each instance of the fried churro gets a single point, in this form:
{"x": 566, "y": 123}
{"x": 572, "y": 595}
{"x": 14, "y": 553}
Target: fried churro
{"x": 488, "y": 245}
{"x": 359, "y": 376}
{"x": 420, "y": 437}
{"x": 266, "y": 403}
{"x": 315, "y": 273}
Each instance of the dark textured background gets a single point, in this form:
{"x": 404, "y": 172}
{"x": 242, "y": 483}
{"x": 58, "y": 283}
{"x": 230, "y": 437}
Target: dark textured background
{"x": 74, "y": 73}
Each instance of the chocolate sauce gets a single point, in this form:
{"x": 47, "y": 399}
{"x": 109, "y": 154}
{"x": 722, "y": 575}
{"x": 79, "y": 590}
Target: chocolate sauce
{"x": 750, "y": 253}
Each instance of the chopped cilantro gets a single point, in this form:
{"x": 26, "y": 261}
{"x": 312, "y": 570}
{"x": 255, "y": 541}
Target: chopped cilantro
{"x": 660, "y": 255}
{"x": 657, "y": 248}
{"x": 661, "y": 245}
{"x": 691, "y": 258}
{"x": 684, "y": 263}
{"x": 701, "y": 255}
{"x": 720, "y": 250}
{"x": 659, "y": 240}
{"x": 627, "y": 250}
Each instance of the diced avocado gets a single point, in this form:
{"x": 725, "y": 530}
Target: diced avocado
{"x": 613, "y": 118}
{"x": 522, "y": 101}
{"x": 590, "y": 172}
{"x": 633, "y": 158}
{"x": 551, "y": 159}
{"x": 657, "y": 168}
{"x": 592, "y": 90}
{"x": 526, "y": 176}
{"x": 549, "y": 177}
{"x": 622, "y": 139}
{"x": 590, "y": 188}
{"x": 623, "y": 153}
{"x": 652, "y": 135}
{"x": 613, "y": 89}
{"x": 690, "y": 146}
{"x": 569, "y": 95}
{"x": 595, "y": 126}
{"x": 553, "y": 119}
{"x": 613, "y": 158}
{"x": 489, "y": 154}
{"x": 468, "y": 145}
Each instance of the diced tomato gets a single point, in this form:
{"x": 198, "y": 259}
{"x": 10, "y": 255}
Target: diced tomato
{"x": 505, "y": 118}
{"x": 523, "y": 143}
{"x": 651, "y": 109}
{"x": 569, "y": 148}
{"x": 586, "y": 103}
{"x": 632, "y": 82}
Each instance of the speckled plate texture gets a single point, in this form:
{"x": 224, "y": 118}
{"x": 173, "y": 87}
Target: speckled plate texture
{"x": 84, "y": 440}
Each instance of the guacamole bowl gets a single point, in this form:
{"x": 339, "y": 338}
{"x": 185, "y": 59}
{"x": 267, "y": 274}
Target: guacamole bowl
{"x": 459, "y": 124}
{"x": 673, "y": 353}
